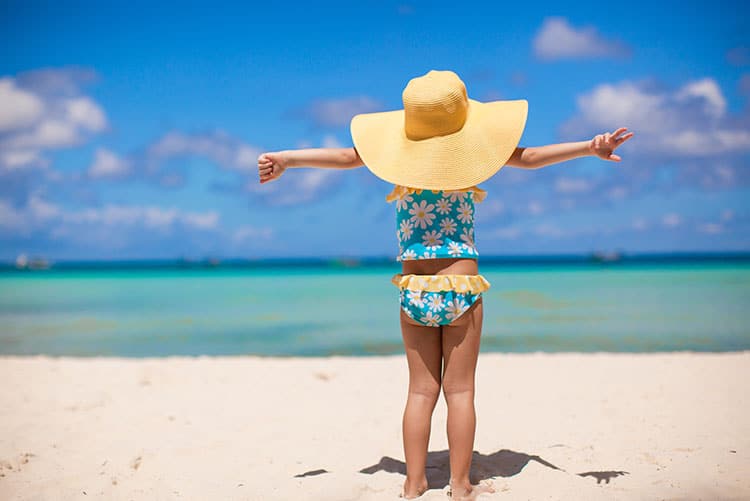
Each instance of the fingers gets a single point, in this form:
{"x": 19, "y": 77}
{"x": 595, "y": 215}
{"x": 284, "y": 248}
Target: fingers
{"x": 620, "y": 140}
{"x": 265, "y": 168}
{"x": 624, "y": 138}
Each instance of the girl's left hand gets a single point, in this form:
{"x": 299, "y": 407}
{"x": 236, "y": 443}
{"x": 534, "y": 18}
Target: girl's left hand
{"x": 603, "y": 145}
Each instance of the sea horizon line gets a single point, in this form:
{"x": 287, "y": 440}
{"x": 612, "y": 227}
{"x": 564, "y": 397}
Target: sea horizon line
{"x": 22, "y": 262}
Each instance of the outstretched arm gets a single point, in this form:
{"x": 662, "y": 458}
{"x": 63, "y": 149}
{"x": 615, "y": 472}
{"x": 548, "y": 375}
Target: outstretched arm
{"x": 601, "y": 145}
{"x": 271, "y": 165}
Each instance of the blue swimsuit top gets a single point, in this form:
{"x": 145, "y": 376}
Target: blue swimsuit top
{"x": 434, "y": 224}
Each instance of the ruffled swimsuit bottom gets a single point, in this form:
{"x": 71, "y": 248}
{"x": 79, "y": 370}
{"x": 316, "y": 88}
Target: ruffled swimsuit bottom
{"x": 435, "y": 300}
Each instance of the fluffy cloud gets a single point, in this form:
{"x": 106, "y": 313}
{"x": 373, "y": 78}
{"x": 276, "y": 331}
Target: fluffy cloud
{"x": 557, "y": 39}
{"x": 691, "y": 121}
{"x": 671, "y": 219}
{"x": 301, "y": 186}
{"x": 38, "y": 213}
{"x": 564, "y": 184}
{"x": 684, "y": 136}
{"x": 335, "y": 112}
{"x": 44, "y": 110}
{"x": 108, "y": 164}
{"x": 217, "y": 146}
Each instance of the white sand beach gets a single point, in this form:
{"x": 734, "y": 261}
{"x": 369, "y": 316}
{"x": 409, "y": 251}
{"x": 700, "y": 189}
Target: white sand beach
{"x": 549, "y": 426}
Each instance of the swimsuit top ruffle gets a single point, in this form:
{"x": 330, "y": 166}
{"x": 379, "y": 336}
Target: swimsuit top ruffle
{"x": 399, "y": 191}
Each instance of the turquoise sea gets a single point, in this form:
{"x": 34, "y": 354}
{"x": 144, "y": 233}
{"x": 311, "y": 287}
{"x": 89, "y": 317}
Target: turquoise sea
{"x": 316, "y": 310}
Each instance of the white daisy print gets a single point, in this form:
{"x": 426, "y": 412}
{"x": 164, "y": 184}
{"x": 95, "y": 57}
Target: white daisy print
{"x": 407, "y": 228}
{"x": 415, "y": 298}
{"x": 435, "y": 302}
{"x": 455, "y": 308}
{"x": 464, "y": 213}
{"x": 432, "y": 238}
{"x": 455, "y": 196}
{"x": 467, "y": 235}
{"x": 443, "y": 206}
{"x": 448, "y": 225}
{"x": 409, "y": 254}
{"x": 402, "y": 202}
{"x": 454, "y": 249}
{"x": 431, "y": 319}
{"x": 428, "y": 255}
{"x": 422, "y": 214}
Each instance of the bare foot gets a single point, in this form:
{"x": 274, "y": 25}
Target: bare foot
{"x": 470, "y": 492}
{"x": 411, "y": 492}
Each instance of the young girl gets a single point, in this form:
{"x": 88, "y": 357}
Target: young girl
{"x": 435, "y": 151}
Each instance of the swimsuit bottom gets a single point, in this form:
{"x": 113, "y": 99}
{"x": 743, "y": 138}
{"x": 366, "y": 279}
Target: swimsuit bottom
{"x": 435, "y": 300}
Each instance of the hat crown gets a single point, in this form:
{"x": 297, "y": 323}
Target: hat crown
{"x": 435, "y": 104}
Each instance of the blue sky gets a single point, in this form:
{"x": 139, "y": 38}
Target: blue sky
{"x": 133, "y": 131}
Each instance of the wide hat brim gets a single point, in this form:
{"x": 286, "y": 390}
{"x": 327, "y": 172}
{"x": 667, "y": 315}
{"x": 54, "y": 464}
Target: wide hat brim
{"x": 471, "y": 155}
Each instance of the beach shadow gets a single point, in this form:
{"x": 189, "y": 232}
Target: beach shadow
{"x": 603, "y": 476}
{"x": 503, "y": 463}
{"x": 311, "y": 473}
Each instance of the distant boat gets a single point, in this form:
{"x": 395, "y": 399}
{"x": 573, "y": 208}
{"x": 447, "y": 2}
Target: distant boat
{"x": 23, "y": 262}
{"x": 604, "y": 256}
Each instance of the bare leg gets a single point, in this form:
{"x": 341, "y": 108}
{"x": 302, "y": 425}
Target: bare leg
{"x": 461, "y": 350}
{"x": 424, "y": 355}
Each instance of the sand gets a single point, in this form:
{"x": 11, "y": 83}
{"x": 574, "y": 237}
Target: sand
{"x": 549, "y": 427}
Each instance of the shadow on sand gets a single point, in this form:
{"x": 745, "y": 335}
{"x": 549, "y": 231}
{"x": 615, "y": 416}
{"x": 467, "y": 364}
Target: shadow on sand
{"x": 503, "y": 463}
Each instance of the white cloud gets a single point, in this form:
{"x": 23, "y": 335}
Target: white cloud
{"x": 48, "y": 134}
{"x": 204, "y": 220}
{"x": 689, "y": 122}
{"x": 535, "y": 207}
{"x": 298, "y": 185}
{"x": 507, "y": 233}
{"x": 617, "y": 192}
{"x": 248, "y": 231}
{"x": 639, "y": 224}
{"x": 86, "y": 113}
{"x": 108, "y": 164}
{"x": 18, "y": 108}
{"x": 38, "y": 211}
{"x": 44, "y": 110}
{"x": 548, "y": 230}
{"x": 572, "y": 185}
{"x": 557, "y": 39}
{"x": 330, "y": 141}
{"x": 710, "y": 228}
{"x": 19, "y": 159}
{"x": 488, "y": 209}
{"x": 217, "y": 146}
{"x": 10, "y": 217}
{"x": 672, "y": 219}
{"x": 335, "y": 112}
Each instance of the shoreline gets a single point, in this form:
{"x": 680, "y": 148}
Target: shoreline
{"x": 566, "y": 425}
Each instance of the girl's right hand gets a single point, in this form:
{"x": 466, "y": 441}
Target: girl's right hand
{"x": 271, "y": 166}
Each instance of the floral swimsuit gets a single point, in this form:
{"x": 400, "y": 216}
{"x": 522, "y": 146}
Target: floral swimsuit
{"x": 434, "y": 224}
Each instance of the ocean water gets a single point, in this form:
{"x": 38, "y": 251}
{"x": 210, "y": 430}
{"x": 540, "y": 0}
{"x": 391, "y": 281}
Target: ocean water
{"x": 314, "y": 311}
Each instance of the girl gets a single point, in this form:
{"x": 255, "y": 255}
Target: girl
{"x": 435, "y": 151}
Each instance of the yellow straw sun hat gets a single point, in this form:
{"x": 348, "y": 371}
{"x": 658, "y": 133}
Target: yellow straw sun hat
{"x": 442, "y": 139}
